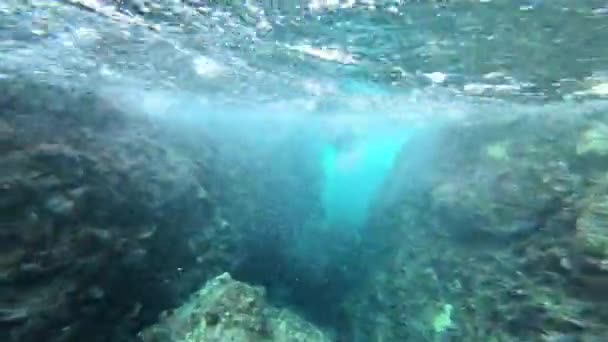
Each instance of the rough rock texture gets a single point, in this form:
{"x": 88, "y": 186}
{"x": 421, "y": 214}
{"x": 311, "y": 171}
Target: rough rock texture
{"x": 501, "y": 236}
{"x": 102, "y": 223}
{"x": 228, "y": 310}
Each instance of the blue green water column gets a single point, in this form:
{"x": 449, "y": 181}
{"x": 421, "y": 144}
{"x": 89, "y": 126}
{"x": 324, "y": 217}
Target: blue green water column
{"x": 354, "y": 174}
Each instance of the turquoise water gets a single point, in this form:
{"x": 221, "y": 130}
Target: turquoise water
{"x": 354, "y": 173}
{"x": 353, "y": 176}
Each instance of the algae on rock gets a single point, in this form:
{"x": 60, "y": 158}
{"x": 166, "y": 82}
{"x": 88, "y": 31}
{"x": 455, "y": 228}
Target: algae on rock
{"x": 89, "y": 206}
{"x": 229, "y": 310}
{"x": 514, "y": 238}
{"x": 443, "y": 319}
{"x": 498, "y": 151}
{"x": 592, "y": 227}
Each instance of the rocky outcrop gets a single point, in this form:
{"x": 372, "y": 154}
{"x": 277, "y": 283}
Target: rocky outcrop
{"x": 504, "y": 239}
{"x": 103, "y": 223}
{"x": 229, "y": 310}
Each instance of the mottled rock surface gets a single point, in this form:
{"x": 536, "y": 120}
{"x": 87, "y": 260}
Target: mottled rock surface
{"x": 506, "y": 226}
{"x": 229, "y": 310}
{"x": 103, "y": 222}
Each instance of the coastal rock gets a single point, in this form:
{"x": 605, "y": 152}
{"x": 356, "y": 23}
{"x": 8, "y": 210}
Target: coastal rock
{"x": 94, "y": 207}
{"x": 229, "y": 310}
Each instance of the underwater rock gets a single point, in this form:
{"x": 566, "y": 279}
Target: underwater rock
{"x": 229, "y": 310}
{"x": 592, "y": 227}
{"x": 591, "y": 263}
{"x": 478, "y": 208}
{"x": 96, "y": 208}
{"x": 489, "y": 193}
{"x": 510, "y": 229}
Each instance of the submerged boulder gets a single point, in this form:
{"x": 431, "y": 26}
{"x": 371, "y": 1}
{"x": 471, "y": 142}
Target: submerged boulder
{"x": 229, "y": 310}
{"x": 103, "y": 223}
{"x": 590, "y": 259}
{"x": 511, "y": 233}
{"x": 592, "y": 227}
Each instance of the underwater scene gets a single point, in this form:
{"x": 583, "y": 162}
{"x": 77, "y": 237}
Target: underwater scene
{"x": 303, "y": 170}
